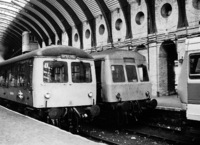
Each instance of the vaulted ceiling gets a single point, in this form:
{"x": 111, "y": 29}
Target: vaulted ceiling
{"x": 47, "y": 18}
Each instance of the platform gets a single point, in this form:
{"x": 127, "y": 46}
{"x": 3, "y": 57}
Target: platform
{"x": 17, "y": 129}
{"x": 168, "y": 103}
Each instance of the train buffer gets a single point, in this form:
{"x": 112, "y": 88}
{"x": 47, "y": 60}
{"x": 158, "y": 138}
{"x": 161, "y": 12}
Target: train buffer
{"x": 17, "y": 129}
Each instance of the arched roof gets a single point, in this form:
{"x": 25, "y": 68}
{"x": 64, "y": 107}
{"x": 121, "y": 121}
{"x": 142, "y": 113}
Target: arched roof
{"x": 46, "y": 19}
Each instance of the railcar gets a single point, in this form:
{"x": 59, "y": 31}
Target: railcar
{"x": 123, "y": 85}
{"x": 189, "y": 80}
{"x": 56, "y": 81}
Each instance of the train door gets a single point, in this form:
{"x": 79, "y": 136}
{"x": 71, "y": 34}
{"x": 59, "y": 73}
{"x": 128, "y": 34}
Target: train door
{"x": 83, "y": 82}
{"x": 98, "y": 68}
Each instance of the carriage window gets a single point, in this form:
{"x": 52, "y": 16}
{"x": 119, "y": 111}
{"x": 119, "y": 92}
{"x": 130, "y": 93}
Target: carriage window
{"x": 55, "y": 72}
{"x": 118, "y": 73}
{"x": 131, "y": 73}
{"x": 22, "y": 75}
{"x": 3, "y": 76}
{"x": 81, "y": 72}
{"x": 143, "y": 74}
{"x": 18, "y": 74}
{"x": 195, "y": 66}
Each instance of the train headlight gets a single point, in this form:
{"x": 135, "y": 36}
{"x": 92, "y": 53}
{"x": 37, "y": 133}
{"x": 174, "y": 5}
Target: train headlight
{"x": 47, "y": 96}
{"x": 90, "y": 95}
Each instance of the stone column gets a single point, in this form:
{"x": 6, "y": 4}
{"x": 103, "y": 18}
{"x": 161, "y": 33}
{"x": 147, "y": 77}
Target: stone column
{"x": 153, "y": 67}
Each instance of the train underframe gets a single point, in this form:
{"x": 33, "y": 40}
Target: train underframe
{"x": 68, "y": 118}
{"x": 128, "y": 111}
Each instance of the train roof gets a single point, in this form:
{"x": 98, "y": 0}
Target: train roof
{"x": 192, "y": 44}
{"x": 52, "y": 51}
{"x": 117, "y": 53}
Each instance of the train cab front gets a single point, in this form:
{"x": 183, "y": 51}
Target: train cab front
{"x": 66, "y": 87}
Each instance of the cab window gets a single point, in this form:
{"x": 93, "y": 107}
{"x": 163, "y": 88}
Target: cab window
{"x": 81, "y": 72}
{"x": 195, "y": 66}
{"x": 117, "y": 73}
{"x": 55, "y": 72}
{"x": 143, "y": 74}
{"x": 131, "y": 73}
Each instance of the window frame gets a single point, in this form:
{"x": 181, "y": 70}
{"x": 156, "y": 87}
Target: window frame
{"x": 89, "y": 78}
{"x": 65, "y": 78}
{"x": 193, "y": 76}
{"x": 124, "y": 79}
{"x": 11, "y": 74}
{"x": 136, "y": 74}
{"x": 146, "y": 71}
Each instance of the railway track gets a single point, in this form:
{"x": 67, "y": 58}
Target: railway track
{"x": 168, "y": 135}
{"x": 171, "y": 126}
{"x": 98, "y": 138}
{"x": 165, "y": 126}
{"x": 130, "y": 135}
{"x": 109, "y": 135}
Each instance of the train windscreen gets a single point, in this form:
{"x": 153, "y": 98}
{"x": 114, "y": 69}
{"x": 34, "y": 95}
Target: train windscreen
{"x": 143, "y": 74}
{"x": 55, "y": 72}
{"x": 131, "y": 73}
{"x": 81, "y": 72}
{"x": 118, "y": 73}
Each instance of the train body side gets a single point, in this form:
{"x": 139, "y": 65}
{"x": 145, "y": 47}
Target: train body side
{"x": 17, "y": 90}
{"x": 189, "y": 80}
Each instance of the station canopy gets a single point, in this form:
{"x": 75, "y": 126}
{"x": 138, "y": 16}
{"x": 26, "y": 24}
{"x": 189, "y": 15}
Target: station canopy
{"x": 48, "y": 19}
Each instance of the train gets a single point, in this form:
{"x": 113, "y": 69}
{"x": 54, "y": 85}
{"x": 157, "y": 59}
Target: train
{"x": 189, "y": 80}
{"x": 123, "y": 84}
{"x": 53, "y": 83}
{"x": 65, "y": 85}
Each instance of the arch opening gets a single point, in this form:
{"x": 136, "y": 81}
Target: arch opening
{"x": 118, "y": 24}
{"x": 196, "y": 4}
{"x": 87, "y": 34}
{"x": 139, "y": 19}
{"x": 76, "y": 37}
{"x": 101, "y": 29}
{"x": 167, "y": 68}
{"x": 166, "y": 10}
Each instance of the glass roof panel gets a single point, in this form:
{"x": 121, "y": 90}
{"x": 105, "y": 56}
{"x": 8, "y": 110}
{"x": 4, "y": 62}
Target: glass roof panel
{"x": 9, "y": 9}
